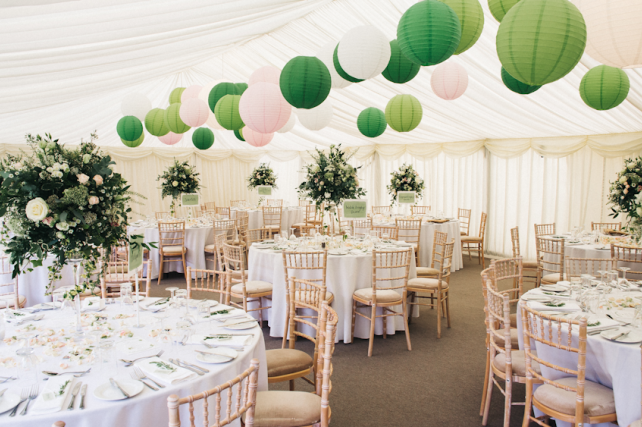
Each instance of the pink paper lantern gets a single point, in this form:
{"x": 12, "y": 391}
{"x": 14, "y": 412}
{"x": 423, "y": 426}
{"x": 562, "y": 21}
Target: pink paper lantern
{"x": 194, "y": 112}
{"x": 263, "y": 108}
{"x": 171, "y": 138}
{"x": 449, "y": 80}
{"x": 191, "y": 92}
{"x": 267, "y": 74}
{"x": 256, "y": 139}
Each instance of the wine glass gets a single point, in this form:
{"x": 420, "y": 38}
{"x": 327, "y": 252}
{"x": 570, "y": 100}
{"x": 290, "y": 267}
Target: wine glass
{"x": 27, "y": 365}
{"x": 126, "y": 295}
{"x": 624, "y": 270}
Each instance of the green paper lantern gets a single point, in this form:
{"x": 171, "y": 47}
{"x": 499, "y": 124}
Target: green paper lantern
{"x": 129, "y": 128}
{"x": 400, "y": 69}
{"x": 372, "y": 122}
{"x": 241, "y": 87}
{"x": 515, "y": 85}
{"x": 239, "y": 134}
{"x": 499, "y": 8}
{"x": 175, "y": 95}
{"x": 227, "y": 112}
{"x": 134, "y": 143}
{"x": 471, "y": 18}
{"x": 219, "y": 91}
{"x": 203, "y": 138}
{"x": 340, "y": 71}
{"x": 604, "y": 87}
{"x": 404, "y": 113}
{"x": 173, "y": 120}
{"x": 305, "y": 82}
{"x": 429, "y": 32}
{"x": 155, "y": 122}
{"x": 541, "y": 41}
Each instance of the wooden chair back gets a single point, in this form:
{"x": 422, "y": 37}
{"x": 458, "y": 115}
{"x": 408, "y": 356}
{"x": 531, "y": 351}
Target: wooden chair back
{"x": 223, "y": 211}
{"x": 632, "y": 257}
{"x": 210, "y": 206}
{"x": 211, "y": 281}
{"x": 236, "y": 203}
{"x": 9, "y": 286}
{"x": 161, "y": 215}
{"x": 544, "y": 229}
{"x": 327, "y": 332}
{"x": 509, "y": 269}
{"x": 482, "y": 225}
{"x": 234, "y": 261}
{"x": 382, "y": 210}
{"x": 204, "y": 207}
{"x": 554, "y": 248}
{"x": 242, "y": 224}
{"x": 464, "y": 220}
{"x": 384, "y": 276}
{"x": 241, "y": 399}
{"x": 256, "y": 235}
{"x": 171, "y": 233}
{"x": 419, "y": 210}
{"x": 342, "y": 225}
{"x": 272, "y": 217}
{"x": 438, "y": 247}
{"x": 498, "y": 323}
{"x": 275, "y": 202}
{"x": 604, "y": 226}
{"x": 409, "y": 230}
{"x": 444, "y": 264}
{"x": 304, "y": 202}
{"x": 226, "y": 227}
{"x": 514, "y": 237}
{"x": 391, "y": 230}
{"x": 361, "y": 227}
{"x": 311, "y": 214}
{"x": 116, "y": 273}
{"x": 575, "y": 267}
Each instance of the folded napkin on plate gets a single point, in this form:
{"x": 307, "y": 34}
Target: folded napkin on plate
{"x": 50, "y": 400}
{"x": 234, "y": 341}
{"x": 541, "y": 306}
{"x": 542, "y": 294}
{"x": 19, "y": 317}
{"x": 156, "y": 305}
{"x": 233, "y": 312}
{"x": 154, "y": 368}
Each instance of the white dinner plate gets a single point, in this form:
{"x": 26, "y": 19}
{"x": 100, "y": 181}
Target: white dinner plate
{"x": 336, "y": 252}
{"x": 633, "y": 337}
{"x": 263, "y": 245}
{"x": 8, "y": 401}
{"x": 106, "y": 391}
{"x": 240, "y": 326}
{"x": 218, "y": 355}
{"x": 133, "y": 345}
{"x": 553, "y": 288}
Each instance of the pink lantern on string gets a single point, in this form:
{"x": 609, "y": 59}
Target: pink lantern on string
{"x": 449, "y": 80}
{"x": 191, "y": 92}
{"x": 256, "y": 139}
{"x": 171, "y": 138}
{"x": 263, "y": 108}
{"x": 267, "y": 74}
{"x": 194, "y": 112}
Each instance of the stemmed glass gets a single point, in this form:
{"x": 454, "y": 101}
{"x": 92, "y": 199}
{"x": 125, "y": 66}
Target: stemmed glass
{"x": 624, "y": 270}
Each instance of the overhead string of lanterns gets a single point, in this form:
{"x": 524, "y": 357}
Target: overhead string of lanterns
{"x": 538, "y": 42}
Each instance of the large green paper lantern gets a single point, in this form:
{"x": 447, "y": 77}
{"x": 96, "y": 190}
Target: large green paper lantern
{"x": 219, "y": 91}
{"x": 203, "y": 138}
{"x": 400, "y": 69}
{"x": 471, "y": 18}
{"x": 499, "y": 8}
{"x": 429, "y": 32}
{"x": 175, "y": 95}
{"x": 305, "y": 82}
{"x": 134, "y": 143}
{"x": 129, "y": 128}
{"x": 541, "y": 41}
{"x": 155, "y": 122}
{"x": 515, "y": 85}
{"x": 239, "y": 134}
{"x": 173, "y": 120}
{"x": 340, "y": 70}
{"x": 372, "y": 122}
{"x": 404, "y": 113}
{"x": 604, "y": 87}
{"x": 240, "y": 87}
{"x": 227, "y": 112}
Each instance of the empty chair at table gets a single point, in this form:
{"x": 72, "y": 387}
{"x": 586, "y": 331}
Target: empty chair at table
{"x": 161, "y": 215}
{"x": 550, "y": 260}
{"x": 341, "y": 225}
{"x": 410, "y": 232}
{"x": 439, "y": 241}
{"x": 575, "y": 267}
{"x": 361, "y": 227}
{"x": 529, "y": 268}
{"x": 606, "y": 226}
{"x": 210, "y": 205}
{"x": 476, "y": 243}
{"x": 381, "y": 210}
{"x": 209, "y": 281}
{"x": 419, "y": 210}
{"x": 304, "y": 202}
{"x": 392, "y": 231}
{"x": 627, "y": 258}
{"x": 225, "y": 227}
{"x": 223, "y": 212}
{"x": 464, "y": 221}
{"x": 171, "y": 237}
{"x": 311, "y": 218}
{"x": 272, "y": 216}
{"x": 9, "y": 293}
{"x": 544, "y": 229}
{"x": 116, "y": 273}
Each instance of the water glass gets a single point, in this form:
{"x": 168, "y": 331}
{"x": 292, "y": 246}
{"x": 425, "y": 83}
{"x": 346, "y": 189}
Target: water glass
{"x": 126, "y": 295}
{"x": 612, "y": 278}
{"x": 181, "y": 300}
{"x": 107, "y": 358}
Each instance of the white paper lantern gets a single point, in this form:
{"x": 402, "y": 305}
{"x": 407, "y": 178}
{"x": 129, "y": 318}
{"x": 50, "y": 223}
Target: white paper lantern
{"x": 137, "y": 105}
{"x": 325, "y": 54}
{"x": 267, "y": 74}
{"x": 449, "y": 80}
{"x": 316, "y": 118}
{"x": 364, "y": 52}
{"x": 212, "y": 122}
{"x": 614, "y": 32}
{"x": 191, "y": 92}
{"x": 263, "y": 108}
{"x": 289, "y": 125}
{"x": 194, "y": 112}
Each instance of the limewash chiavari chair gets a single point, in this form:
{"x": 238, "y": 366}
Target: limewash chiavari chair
{"x": 161, "y": 215}
{"x": 630, "y": 256}
{"x": 171, "y": 236}
{"x": 242, "y": 405}
{"x": 301, "y": 408}
{"x": 256, "y": 235}
{"x": 435, "y": 288}
{"x": 544, "y": 229}
{"x": 223, "y": 212}
{"x": 11, "y": 296}
{"x": 419, "y": 210}
{"x": 552, "y": 269}
{"x": 511, "y": 270}
{"x": 575, "y": 267}
{"x": 573, "y": 398}
{"x": 212, "y": 281}
{"x": 204, "y": 207}
{"x": 476, "y": 244}
{"x": 304, "y": 202}
{"x": 311, "y": 218}
{"x": 236, "y": 203}
{"x": 463, "y": 215}
{"x": 116, "y": 273}
{"x": 210, "y": 206}
{"x": 391, "y": 230}
{"x": 225, "y": 227}
{"x": 384, "y": 264}
{"x": 381, "y": 210}
{"x": 529, "y": 268}
{"x": 361, "y": 227}
{"x": 342, "y": 225}
{"x": 439, "y": 240}
{"x": 272, "y": 219}
{"x": 410, "y": 232}
{"x": 275, "y": 202}
{"x": 603, "y": 226}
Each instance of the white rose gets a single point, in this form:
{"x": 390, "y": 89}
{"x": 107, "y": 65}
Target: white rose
{"x": 328, "y": 195}
{"x": 57, "y": 166}
{"x": 62, "y": 226}
{"x": 86, "y": 158}
{"x": 623, "y": 180}
{"x": 639, "y": 211}
{"x": 60, "y": 235}
{"x": 175, "y": 183}
{"x": 37, "y": 209}
{"x": 57, "y": 174}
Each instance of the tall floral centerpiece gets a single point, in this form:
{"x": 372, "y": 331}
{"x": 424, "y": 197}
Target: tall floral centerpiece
{"x": 178, "y": 179}
{"x": 263, "y": 175}
{"x": 626, "y": 195}
{"x": 65, "y": 202}
{"x": 405, "y": 179}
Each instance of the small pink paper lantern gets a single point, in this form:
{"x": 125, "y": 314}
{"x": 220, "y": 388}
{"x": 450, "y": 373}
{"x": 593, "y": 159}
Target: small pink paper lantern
{"x": 267, "y": 74}
{"x": 449, "y": 81}
{"x": 194, "y": 112}
{"x": 256, "y": 139}
{"x": 191, "y": 92}
{"x": 171, "y": 138}
{"x": 263, "y": 108}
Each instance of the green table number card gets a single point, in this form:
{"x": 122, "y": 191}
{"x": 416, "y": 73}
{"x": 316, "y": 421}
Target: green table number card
{"x": 135, "y": 253}
{"x": 190, "y": 199}
{"x": 355, "y": 209}
{"x": 406, "y": 197}
{"x": 264, "y": 190}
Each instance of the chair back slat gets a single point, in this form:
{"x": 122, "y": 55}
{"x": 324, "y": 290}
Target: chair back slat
{"x": 384, "y": 264}
{"x": 544, "y": 229}
{"x": 409, "y": 230}
{"x": 606, "y": 226}
{"x": 223, "y": 212}
{"x": 575, "y": 267}
{"x": 212, "y": 281}
{"x": 509, "y": 269}
{"x": 171, "y": 233}
{"x": 554, "y": 248}
{"x": 272, "y": 217}
{"x": 391, "y": 230}
{"x": 381, "y": 210}
{"x": 623, "y": 256}
{"x": 419, "y": 210}
{"x": 482, "y": 225}
{"x": 161, "y": 215}
{"x": 438, "y": 247}
{"x": 236, "y": 203}
{"x": 361, "y": 227}
{"x": 328, "y": 320}
{"x": 210, "y": 205}
{"x": 464, "y": 220}
{"x": 514, "y": 237}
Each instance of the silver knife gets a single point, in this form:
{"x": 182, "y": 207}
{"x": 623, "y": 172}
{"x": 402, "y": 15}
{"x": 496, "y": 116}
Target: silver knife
{"x": 115, "y": 384}
{"x": 193, "y": 366}
{"x": 2, "y": 392}
{"x": 74, "y": 393}
{"x": 83, "y": 391}
{"x": 186, "y": 367}
{"x": 238, "y": 322}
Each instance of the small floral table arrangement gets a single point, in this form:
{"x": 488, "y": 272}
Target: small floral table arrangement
{"x": 405, "y": 179}
{"x": 180, "y": 178}
{"x": 262, "y": 176}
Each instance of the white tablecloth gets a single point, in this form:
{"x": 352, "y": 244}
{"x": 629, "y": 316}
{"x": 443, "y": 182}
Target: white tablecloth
{"x": 148, "y": 408}
{"x": 289, "y": 216}
{"x": 345, "y": 274}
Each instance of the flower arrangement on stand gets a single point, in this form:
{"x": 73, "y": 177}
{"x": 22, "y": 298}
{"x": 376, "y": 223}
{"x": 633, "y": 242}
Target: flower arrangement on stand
{"x": 405, "y": 179}
{"x": 263, "y": 175}
{"x": 178, "y": 179}
{"x": 625, "y": 195}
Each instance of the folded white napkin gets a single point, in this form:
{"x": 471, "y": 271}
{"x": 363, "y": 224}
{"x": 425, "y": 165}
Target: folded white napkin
{"x": 233, "y": 312}
{"x": 538, "y": 293}
{"x": 168, "y": 376}
{"x": 568, "y": 306}
{"x": 153, "y": 306}
{"x": 50, "y": 400}
{"x": 19, "y": 317}
{"x": 234, "y": 341}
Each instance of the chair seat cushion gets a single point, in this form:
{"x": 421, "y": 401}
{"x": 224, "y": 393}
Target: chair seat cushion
{"x": 463, "y": 233}
{"x": 427, "y": 271}
{"x": 286, "y": 409}
{"x": 173, "y": 250}
{"x": 252, "y": 287}
{"x": 426, "y": 283}
{"x": 598, "y": 400}
{"x": 285, "y": 361}
{"x": 299, "y": 225}
{"x": 471, "y": 239}
{"x": 383, "y": 295}
{"x": 272, "y": 227}
{"x": 529, "y": 264}
{"x": 637, "y": 423}
{"x": 210, "y": 248}
{"x": 518, "y": 360}
{"x": 514, "y": 339}
{"x": 551, "y": 278}
{"x": 10, "y": 299}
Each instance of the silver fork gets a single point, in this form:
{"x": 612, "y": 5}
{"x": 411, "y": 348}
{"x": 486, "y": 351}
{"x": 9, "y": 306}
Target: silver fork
{"x": 135, "y": 378}
{"x": 141, "y": 376}
{"x": 24, "y": 395}
{"x": 32, "y": 395}
{"x": 129, "y": 362}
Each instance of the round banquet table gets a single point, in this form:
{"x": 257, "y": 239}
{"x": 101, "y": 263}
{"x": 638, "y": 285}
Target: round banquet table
{"x": 344, "y": 275}
{"x": 149, "y": 408}
{"x": 289, "y": 216}
{"x": 614, "y": 365}
{"x": 591, "y": 250}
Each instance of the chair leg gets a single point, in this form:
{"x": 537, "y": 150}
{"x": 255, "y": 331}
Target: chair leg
{"x": 489, "y": 395}
{"x": 483, "y": 259}
{"x": 438, "y": 314}
{"x": 185, "y": 269}
{"x": 160, "y": 270}
{"x": 432, "y": 301}
{"x": 412, "y": 304}
{"x": 291, "y": 385}
{"x": 372, "y": 327}
{"x": 527, "y": 405}
{"x": 448, "y": 308}
{"x": 508, "y": 401}
{"x": 384, "y": 323}
{"x": 354, "y": 316}
{"x": 483, "y": 401}
{"x": 260, "y": 300}
{"x": 405, "y": 316}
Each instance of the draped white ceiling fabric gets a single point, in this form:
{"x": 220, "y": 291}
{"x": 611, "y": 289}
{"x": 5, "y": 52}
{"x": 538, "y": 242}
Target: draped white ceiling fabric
{"x": 65, "y": 67}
